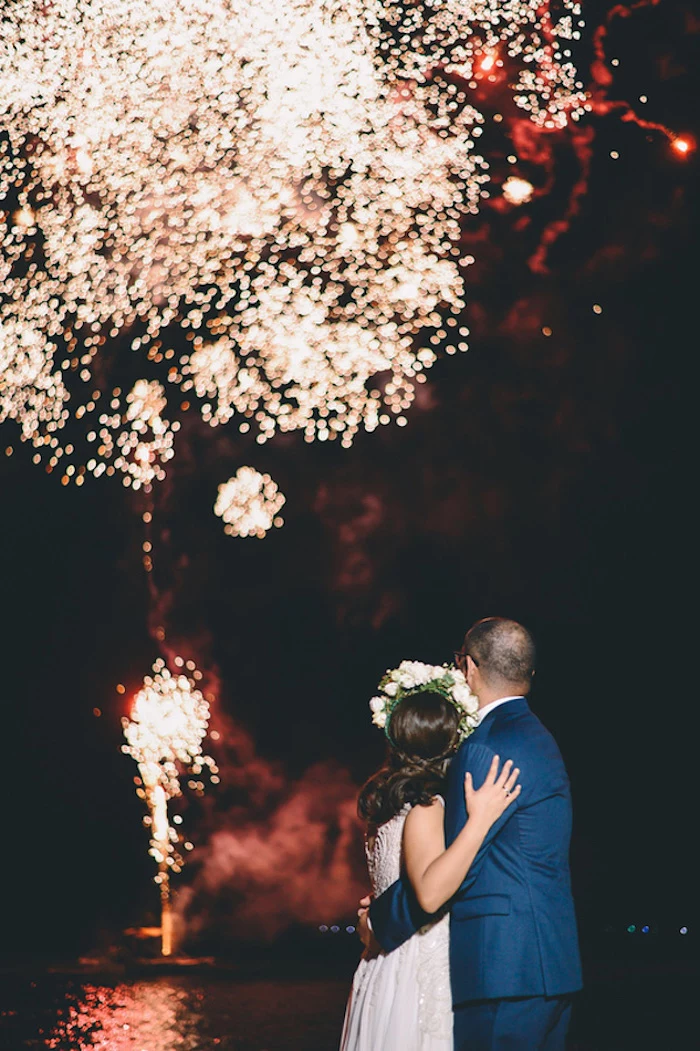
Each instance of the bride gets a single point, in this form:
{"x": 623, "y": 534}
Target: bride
{"x": 402, "y": 1001}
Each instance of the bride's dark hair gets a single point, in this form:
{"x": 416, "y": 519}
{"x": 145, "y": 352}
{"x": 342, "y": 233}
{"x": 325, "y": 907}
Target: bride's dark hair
{"x": 424, "y": 734}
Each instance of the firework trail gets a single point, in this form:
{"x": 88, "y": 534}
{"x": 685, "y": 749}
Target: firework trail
{"x": 164, "y": 734}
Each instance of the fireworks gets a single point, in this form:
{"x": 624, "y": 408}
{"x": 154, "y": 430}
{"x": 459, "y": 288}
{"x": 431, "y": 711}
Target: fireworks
{"x": 138, "y": 454}
{"x": 517, "y": 191}
{"x": 281, "y": 185}
{"x": 681, "y": 145}
{"x": 248, "y": 503}
{"x": 168, "y": 723}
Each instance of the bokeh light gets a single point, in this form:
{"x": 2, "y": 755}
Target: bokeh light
{"x": 249, "y": 503}
{"x": 517, "y": 191}
{"x": 682, "y": 145}
{"x": 263, "y": 200}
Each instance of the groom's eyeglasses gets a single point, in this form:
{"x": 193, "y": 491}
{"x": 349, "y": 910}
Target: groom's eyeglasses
{"x": 460, "y": 655}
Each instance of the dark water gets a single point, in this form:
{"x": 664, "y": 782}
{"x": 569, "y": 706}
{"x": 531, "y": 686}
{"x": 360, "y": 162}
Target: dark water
{"x": 173, "y": 1014}
{"x": 624, "y": 1008}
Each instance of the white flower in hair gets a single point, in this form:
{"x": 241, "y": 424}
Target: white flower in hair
{"x": 464, "y": 697}
{"x": 414, "y": 677}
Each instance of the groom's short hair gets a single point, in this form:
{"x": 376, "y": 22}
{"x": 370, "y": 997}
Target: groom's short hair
{"x": 503, "y": 649}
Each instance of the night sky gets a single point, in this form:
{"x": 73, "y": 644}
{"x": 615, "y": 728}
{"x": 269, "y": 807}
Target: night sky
{"x": 541, "y": 477}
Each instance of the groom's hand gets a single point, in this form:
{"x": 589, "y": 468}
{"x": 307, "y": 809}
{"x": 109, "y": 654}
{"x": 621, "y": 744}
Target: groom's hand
{"x": 364, "y": 929}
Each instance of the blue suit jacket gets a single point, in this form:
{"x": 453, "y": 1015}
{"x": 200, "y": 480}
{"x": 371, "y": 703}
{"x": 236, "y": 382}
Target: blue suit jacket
{"x": 513, "y": 928}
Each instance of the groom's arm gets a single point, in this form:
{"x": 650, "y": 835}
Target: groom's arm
{"x": 475, "y": 759}
{"x": 395, "y": 915}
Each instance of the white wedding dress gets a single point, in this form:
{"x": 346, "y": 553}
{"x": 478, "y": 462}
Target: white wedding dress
{"x": 400, "y": 1001}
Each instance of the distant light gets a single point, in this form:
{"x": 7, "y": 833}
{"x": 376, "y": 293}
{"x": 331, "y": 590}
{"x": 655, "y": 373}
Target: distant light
{"x": 645, "y": 929}
{"x": 615, "y": 155}
{"x": 323, "y": 928}
{"x": 24, "y": 217}
{"x": 643, "y": 98}
{"x": 682, "y": 146}
{"x": 517, "y": 191}
{"x": 97, "y": 712}
{"x": 335, "y": 928}
{"x": 487, "y": 63}
{"x": 546, "y": 331}
{"x": 683, "y": 930}
{"x": 631, "y": 929}
{"x": 597, "y": 308}
{"x": 350, "y": 929}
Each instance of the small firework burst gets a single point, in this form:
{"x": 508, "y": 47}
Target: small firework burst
{"x": 517, "y": 191}
{"x": 249, "y": 503}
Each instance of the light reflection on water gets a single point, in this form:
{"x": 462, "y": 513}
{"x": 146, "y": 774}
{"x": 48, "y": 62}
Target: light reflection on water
{"x": 144, "y": 1015}
{"x": 625, "y": 1007}
{"x": 184, "y": 1014}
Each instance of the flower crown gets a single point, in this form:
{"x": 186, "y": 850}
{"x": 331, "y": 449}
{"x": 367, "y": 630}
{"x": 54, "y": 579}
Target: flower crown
{"x": 415, "y": 677}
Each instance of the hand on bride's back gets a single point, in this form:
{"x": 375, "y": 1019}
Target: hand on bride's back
{"x": 487, "y": 803}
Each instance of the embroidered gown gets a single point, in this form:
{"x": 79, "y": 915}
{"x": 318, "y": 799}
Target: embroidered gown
{"x": 400, "y": 1001}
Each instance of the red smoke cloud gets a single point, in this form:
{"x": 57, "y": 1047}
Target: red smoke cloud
{"x": 299, "y": 864}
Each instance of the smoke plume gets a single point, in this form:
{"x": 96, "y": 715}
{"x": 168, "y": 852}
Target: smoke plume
{"x": 301, "y": 863}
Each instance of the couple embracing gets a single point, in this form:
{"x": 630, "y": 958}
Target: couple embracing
{"x": 470, "y": 935}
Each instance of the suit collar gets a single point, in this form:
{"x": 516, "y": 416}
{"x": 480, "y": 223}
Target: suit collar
{"x": 492, "y": 705}
{"x": 515, "y": 704}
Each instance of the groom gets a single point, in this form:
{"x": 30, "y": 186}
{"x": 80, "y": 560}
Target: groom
{"x": 514, "y": 958}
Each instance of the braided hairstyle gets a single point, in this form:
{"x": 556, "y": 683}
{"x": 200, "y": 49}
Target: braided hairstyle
{"x": 423, "y": 731}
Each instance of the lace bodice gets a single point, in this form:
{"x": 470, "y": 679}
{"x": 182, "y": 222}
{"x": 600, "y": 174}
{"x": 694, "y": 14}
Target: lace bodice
{"x": 384, "y": 852}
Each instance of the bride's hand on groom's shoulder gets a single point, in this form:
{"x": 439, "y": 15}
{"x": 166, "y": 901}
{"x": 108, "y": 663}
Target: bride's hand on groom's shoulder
{"x": 498, "y": 792}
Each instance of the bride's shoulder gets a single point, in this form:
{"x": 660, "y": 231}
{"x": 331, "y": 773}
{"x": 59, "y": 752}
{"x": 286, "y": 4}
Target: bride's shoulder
{"x": 423, "y": 814}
